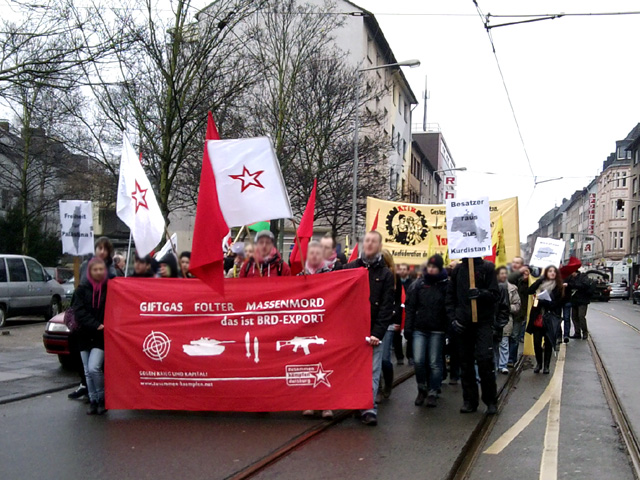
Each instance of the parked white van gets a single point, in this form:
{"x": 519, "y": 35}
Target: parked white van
{"x": 27, "y": 289}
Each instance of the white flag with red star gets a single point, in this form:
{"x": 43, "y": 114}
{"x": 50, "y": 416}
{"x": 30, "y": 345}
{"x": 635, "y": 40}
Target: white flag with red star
{"x": 248, "y": 181}
{"x": 137, "y": 206}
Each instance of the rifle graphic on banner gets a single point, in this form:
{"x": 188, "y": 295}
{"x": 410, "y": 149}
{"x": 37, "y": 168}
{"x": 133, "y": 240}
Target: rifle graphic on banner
{"x": 298, "y": 342}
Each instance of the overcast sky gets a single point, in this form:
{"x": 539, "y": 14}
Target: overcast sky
{"x": 574, "y": 83}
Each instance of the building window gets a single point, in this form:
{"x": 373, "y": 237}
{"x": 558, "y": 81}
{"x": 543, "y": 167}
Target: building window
{"x": 398, "y": 143}
{"x": 631, "y": 246}
{"x": 394, "y": 93}
{"x": 393, "y": 135}
{"x": 635, "y": 186}
{"x": 404, "y": 148}
{"x": 621, "y": 153}
{"x": 637, "y": 156}
{"x": 400, "y": 103}
{"x": 624, "y": 180}
{"x": 633, "y": 215}
{"x": 620, "y": 241}
{"x": 406, "y": 113}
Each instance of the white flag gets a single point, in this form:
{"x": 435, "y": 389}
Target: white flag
{"x": 169, "y": 247}
{"x": 248, "y": 180}
{"x": 137, "y": 206}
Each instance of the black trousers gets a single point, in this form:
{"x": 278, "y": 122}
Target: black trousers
{"x": 74, "y": 351}
{"x": 542, "y": 352}
{"x": 453, "y": 351}
{"x": 475, "y": 345}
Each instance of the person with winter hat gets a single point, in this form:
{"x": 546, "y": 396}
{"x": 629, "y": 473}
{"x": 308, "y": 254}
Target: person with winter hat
{"x": 266, "y": 260}
{"x": 381, "y": 300}
{"x": 427, "y": 323}
{"x": 142, "y": 267}
{"x": 88, "y": 308}
{"x": 168, "y": 266}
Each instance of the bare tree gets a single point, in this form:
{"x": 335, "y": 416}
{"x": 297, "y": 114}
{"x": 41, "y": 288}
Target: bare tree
{"x": 177, "y": 66}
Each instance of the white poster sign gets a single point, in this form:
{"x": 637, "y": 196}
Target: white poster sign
{"x": 76, "y": 227}
{"x": 587, "y": 248}
{"x": 468, "y": 228}
{"x": 547, "y": 251}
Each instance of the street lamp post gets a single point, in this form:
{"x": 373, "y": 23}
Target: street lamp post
{"x": 354, "y": 194}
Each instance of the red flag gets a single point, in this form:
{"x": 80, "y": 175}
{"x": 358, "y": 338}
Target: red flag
{"x": 375, "y": 221}
{"x": 304, "y": 233}
{"x": 207, "y": 258}
{"x": 354, "y": 253}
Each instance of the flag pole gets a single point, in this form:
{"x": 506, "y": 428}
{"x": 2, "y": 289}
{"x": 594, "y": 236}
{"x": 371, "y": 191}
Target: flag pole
{"x": 173, "y": 247}
{"x": 126, "y": 267}
{"x": 238, "y": 235}
{"x": 297, "y": 240}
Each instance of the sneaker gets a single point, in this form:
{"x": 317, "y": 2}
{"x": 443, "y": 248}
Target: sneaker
{"x": 327, "y": 414}
{"x": 101, "y": 410}
{"x": 419, "y": 399}
{"x": 432, "y": 401}
{"x": 585, "y": 336}
{"x": 78, "y": 393}
{"x": 468, "y": 408}
{"x": 504, "y": 371}
{"x": 370, "y": 419}
{"x": 566, "y": 339}
{"x": 379, "y": 397}
{"x": 510, "y": 365}
{"x": 93, "y": 408}
{"x": 386, "y": 391}
{"x": 546, "y": 371}
{"x": 308, "y": 413}
{"x": 492, "y": 409}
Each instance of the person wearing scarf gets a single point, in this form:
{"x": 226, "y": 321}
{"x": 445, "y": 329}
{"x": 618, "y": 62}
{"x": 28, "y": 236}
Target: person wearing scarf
{"x": 381, "y": 300}
{"x": 427, "y": 323}
{"x": 550, "y": 282}
{"x": 88, "y": 308}
{"x": 266, "y": 260}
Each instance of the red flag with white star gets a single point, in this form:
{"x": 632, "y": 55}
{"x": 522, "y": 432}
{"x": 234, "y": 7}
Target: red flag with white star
{"x": 136, "y": 205}
{"x": 210, "y": 229}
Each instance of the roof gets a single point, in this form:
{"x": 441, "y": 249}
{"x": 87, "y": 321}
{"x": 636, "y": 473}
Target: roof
{"x": 634, "y": 138}
{"x": 373, "y": 25}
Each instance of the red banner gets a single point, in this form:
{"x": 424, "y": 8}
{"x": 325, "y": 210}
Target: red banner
{"x": 288, "y": 343}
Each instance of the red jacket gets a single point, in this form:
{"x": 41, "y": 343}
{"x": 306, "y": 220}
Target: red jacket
{"x": 274, "y": 267}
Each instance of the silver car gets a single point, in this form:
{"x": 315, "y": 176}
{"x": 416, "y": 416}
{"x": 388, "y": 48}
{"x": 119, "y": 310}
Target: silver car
{"x": 619, "y": 290}
{"x": 26, "y": 289}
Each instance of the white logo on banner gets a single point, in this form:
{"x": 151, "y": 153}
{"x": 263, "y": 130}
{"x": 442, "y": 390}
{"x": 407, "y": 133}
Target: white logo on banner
{"x": 156, "y": 346}
{"x": 307, "y": 375}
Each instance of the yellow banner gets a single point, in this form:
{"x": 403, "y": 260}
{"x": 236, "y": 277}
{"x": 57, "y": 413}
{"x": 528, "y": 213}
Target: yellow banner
{"x": 407, "y": 227}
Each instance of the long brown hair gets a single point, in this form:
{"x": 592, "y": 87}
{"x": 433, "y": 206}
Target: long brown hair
{"x": 558, "y": 279}
{"x": 388, "y": 260}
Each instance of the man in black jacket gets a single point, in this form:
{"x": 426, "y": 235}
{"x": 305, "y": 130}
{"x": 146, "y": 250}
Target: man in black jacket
{"x": 475, "y": 339}
{"x": 381, "y": 299}
{"x": 581, "y": 290}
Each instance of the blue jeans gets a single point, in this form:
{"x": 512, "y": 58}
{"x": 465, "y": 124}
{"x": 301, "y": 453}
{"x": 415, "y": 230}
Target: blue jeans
{"x": 93, "y": 361}
{"x": 387, "y": 347}
{"x": 428, "y": 346}
{"x": 377, "y": 367}
{"x": 514, "y": 340}
{"x": 566, "y": 316}
{"x": 504, "y": 348}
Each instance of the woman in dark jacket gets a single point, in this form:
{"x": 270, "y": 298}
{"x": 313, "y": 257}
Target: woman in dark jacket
{"x": 551, "y": 283}
{"x": 88, "y": 307}
{"x": 387, "y": 341}
{"x": 427, "y": 322}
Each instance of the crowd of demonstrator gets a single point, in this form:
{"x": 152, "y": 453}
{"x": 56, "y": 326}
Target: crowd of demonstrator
{"x": 430, "y": 306}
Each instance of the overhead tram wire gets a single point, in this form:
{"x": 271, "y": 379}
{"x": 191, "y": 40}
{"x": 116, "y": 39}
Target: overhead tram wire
{"x": 485, "y": 22}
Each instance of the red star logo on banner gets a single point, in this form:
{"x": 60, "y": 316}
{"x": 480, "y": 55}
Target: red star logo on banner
{"x": 140, "y": 197}
{"x": 248, "y": 179}
{"x": 321, "y": 376}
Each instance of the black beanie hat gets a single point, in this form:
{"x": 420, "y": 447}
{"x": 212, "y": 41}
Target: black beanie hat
{"x": 437, "y": 261}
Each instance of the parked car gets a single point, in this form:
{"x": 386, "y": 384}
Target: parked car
{"x": 601, "y": 282}
{"x": 56, "y": 340}
{"x": 64, "y": 276}
{"x": 619, "y": 290}
{"x": 26, "y": 289}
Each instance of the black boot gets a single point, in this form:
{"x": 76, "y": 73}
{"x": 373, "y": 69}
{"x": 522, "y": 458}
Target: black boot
{"x": 101, "y": 408}
{"x": 468, "y": 408}
{"x": 420, "y": 398}
{"x": 546, "y": 370}
{"x": 492, "y": 409}
{"x": 537, "y": 369}
{"x": 388, "y": 383}
{"x": 432, "y": 401}
{"x": 93, "y": 408}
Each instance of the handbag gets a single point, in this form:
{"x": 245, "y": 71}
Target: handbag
{"x": 70, "y": 320}
{"x": 538, "y": 322}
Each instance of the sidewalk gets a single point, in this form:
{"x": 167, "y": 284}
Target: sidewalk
{"x": 26, "y": 369}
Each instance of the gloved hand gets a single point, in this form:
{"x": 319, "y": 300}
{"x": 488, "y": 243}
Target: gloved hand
{"x": 473, "y": 293}
{"x": 458, "y": 327}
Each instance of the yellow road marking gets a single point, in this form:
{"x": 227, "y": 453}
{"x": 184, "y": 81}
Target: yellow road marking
{"x": 636, "y": 329}
{"x": 549, "y": 461}
{"x": 556, "y": 382}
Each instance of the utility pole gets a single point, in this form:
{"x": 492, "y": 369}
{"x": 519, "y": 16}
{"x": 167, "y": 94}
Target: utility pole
{"x": 425, "y": 97}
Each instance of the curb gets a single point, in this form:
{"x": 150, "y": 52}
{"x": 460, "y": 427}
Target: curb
{"x": 25, "y": 396}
